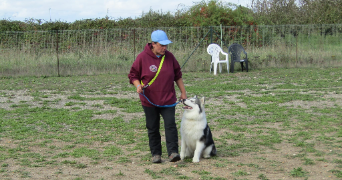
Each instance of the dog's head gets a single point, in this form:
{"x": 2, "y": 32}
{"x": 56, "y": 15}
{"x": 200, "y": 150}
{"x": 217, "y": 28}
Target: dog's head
{"x": 194, "y": 103}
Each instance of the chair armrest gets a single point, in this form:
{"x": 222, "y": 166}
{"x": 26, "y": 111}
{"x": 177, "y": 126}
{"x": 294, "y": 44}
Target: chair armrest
{"x": 245, "y": 53}
{"x": 224, "y": 53}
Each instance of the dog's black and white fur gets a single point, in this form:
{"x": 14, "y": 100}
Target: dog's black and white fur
{"x": 196, "y": 137}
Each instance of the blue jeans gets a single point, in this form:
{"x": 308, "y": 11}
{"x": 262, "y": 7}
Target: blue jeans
{"x": 153, "y": 125}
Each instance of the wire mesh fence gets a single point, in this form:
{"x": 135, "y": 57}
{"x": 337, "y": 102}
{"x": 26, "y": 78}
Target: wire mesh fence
{"x": 54, "y": 53}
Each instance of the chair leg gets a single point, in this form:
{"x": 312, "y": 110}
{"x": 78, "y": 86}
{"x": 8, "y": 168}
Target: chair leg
{"x": 232, "y": 67}
{"x": 246, "y": 65}
{"x": 215, "y": 68}
{"x": 241, "y": 66}
{"x": 228, "y": 68}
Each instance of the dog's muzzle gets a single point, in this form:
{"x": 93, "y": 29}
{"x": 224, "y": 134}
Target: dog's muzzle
{"x": 187, "y": 107}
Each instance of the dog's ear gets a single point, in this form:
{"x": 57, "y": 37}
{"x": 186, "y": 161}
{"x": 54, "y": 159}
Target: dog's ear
{"x": 202, "y": 100}
{"x": 195, "y": 96}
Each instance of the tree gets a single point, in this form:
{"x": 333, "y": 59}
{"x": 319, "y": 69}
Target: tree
{"x": 214, "y": 13}
{"x": 276, "y": 11}
{"x": 297, "y": 11}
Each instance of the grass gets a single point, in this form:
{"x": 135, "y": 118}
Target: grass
{"x": 96, "y": 123}
{"x": 298, "y": 172}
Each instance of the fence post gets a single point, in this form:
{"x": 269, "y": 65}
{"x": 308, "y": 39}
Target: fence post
{"x": 211, "y": 41}
{"x": 296, "y": 36}
{"x": 57, "y": 55}
{"x": 134, "y": 44}
{"x": 221, "y": 35}
{"x": 211, "y": 34}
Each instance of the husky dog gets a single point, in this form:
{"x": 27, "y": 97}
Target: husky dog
{"x": 196, "y": 137}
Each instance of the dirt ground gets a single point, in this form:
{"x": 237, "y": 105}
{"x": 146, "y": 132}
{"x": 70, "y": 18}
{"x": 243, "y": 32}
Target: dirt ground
{"x": 274, "y": 163}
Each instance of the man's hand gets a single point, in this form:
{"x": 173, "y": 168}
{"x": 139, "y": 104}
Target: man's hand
{"x": 139, "y": 89}
{"x": 182, "y": 97}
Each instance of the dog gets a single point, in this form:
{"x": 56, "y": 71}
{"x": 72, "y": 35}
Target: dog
{"x": 196, "y": 137}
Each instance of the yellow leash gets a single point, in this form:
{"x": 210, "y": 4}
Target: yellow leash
{"x": 155, "y": 77}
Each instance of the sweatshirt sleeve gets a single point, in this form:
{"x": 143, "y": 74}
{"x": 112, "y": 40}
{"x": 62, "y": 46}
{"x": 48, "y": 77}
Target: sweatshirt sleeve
{"x": 135, "y": 72}
{"x": 177, "y": 69}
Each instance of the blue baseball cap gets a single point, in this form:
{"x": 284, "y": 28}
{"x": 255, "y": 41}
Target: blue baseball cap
{"x": 160, "y": 37}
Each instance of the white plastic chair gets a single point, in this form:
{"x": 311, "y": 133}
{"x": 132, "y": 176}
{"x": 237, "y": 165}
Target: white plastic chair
{"x": 214, "y": 50}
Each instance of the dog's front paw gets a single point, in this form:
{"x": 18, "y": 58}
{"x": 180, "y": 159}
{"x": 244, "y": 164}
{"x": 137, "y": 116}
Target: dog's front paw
{"x": 182, "y": 156}
{"x": 195, "y": 160}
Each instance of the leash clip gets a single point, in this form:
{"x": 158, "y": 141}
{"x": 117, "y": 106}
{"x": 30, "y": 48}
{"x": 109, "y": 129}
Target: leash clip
{"x": 147, "y": 85}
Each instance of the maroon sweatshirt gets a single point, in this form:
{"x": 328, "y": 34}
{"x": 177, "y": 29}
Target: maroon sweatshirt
{"x": 162, "y": 91}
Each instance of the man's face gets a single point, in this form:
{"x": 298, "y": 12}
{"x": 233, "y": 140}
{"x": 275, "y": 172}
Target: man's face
{"x": 158, "y": 49}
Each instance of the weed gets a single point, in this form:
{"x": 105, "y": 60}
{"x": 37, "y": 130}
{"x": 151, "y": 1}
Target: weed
{"x": 183, "y": 177}
{"x": 120, "y": 174}
{"x": 152, "y": 173}
{"x": 308, "y": 161}
{"x": 112, "y": 151}
{"x": 25, "y": 174}
{"x": 69, "y": 162}
{"x": 170, "y": 171}
{"x": 220, "y": 165}
{"x": 240, "y": 173}
{"x": 124, "y": 160}
{"x": 79, "y": 152}
{"x": 81, "y": 166}
{"x": 298, "y": 172}
{"x": 262, "y": 177}
{"x": 337, "y": 173}
{"x": 2, "y": 170}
